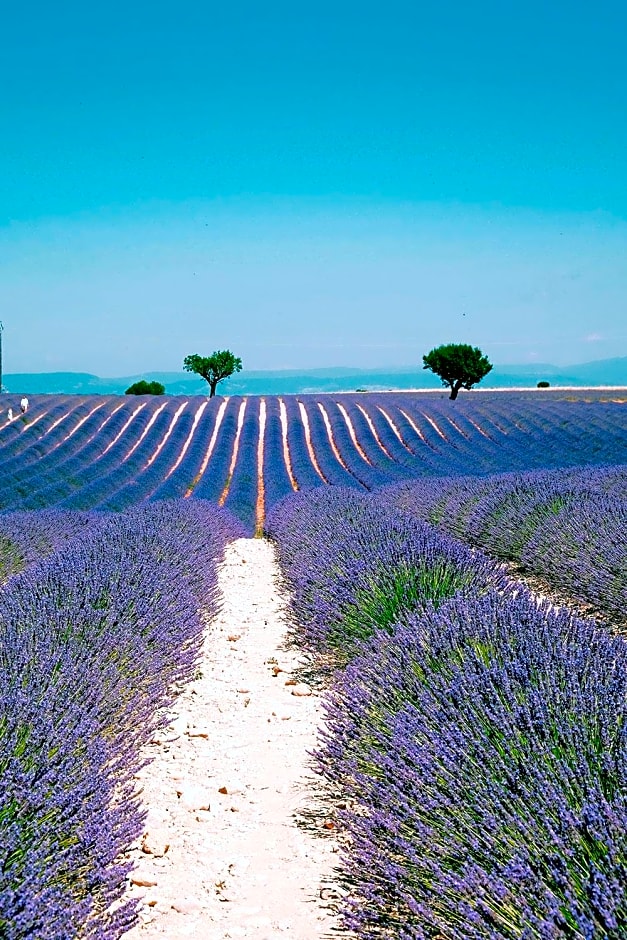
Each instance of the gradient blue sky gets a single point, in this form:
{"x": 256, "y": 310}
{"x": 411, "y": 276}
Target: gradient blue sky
{"x": 309, "y": 185}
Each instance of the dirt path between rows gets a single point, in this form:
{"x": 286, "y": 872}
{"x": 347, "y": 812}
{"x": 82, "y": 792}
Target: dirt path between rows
{"x": 227, "y": 778}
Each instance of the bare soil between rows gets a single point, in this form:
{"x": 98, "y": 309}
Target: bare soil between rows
{"x": 229, "y": 787}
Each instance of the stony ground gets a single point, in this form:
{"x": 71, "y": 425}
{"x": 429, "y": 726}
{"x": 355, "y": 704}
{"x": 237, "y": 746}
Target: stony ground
{"x": 223, "y": 855}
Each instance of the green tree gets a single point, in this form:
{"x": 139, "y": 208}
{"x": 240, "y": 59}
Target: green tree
{"x": 219, "y": 365}
{"x": 145, "y": 388}
{"x": 458, "y": 365}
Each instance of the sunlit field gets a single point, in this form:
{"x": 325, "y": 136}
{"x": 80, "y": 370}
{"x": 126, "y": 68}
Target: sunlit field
{"x": 456, "y": 580}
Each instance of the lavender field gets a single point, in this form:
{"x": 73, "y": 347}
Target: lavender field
{"x": 103, "y": 620}
{"x": 109, "y": 453}
{"x": 477, "y": 736}
{"x": 476, "y": 740}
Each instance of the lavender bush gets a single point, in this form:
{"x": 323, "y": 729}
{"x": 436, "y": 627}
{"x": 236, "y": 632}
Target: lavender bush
{"x": 26, "y": 537}
{"x": 334, "y": 473}
{"x": 60, "y": 473}
{"x": 93, "y": 639}
{"x": 179, "y": 481}
{"x": 304, "y": 471}
{"x": 582, "y": 552}
{"x": 484, "y": 749}
{"x": 354, "y": 564}
{"x": 241, "y": 497}
{"x": 565, "y": 525}
{"x": 211, "y": 484}
{"x": 478, "y": 737}
{"x": 276, "y": 477}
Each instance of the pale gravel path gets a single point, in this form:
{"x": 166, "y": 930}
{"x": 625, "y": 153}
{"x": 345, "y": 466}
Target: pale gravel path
{"x": 241, "y": 868}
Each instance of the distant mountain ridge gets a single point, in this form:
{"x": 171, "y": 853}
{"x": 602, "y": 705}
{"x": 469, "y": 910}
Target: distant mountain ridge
{"x": 303, "y": 381}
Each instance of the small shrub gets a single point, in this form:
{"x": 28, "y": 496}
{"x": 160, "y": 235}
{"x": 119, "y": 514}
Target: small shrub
{"x": 544, "y": 384}
{"x": 145, "y": 388}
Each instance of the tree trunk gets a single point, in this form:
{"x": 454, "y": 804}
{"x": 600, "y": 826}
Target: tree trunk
{"x": 454, "y": 390}
{"x": 212, "y": 386}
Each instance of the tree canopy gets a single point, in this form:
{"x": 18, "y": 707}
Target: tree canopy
{"x": 145, "y": 388}
{"x": 219, "y": 365}
{"x": 458, "y": 365}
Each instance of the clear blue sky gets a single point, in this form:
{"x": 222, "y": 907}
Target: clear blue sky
{"x": 311, "y": 184}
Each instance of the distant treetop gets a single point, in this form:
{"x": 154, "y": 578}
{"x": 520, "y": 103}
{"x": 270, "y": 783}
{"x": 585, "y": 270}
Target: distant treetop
{"x": 458, "y": 365}
{"x": 214, "y": 368}
{"x": 145, "y": 388}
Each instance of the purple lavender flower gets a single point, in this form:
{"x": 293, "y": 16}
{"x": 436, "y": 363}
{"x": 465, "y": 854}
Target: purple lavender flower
{"x": 93, "y": 639}
{"x": 483, "y": 747}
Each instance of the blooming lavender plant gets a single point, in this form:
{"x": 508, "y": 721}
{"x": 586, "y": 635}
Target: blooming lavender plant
{"x": 277, "y": 482}
{"x": 26, "y": 537}
{"x": 478, "y": 737}
{"x": 565, "y": 525}
{"x": 354, "y": 564}
{"x": 331, "y": 467}
{"x": 307, "y": 477}
{"x": 483, "y": 754}
{"x": 59, "y": 472}
{"x": 379, "y": 456}
{"x": 211, "y": 484}
{"x": 92, "y": 640}
{"x": 241, "y": 497}
{"x": 179, "y": 481}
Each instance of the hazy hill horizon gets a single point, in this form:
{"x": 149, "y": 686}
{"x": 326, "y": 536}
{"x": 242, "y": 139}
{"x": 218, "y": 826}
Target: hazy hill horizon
{"x": 330, "y": 379}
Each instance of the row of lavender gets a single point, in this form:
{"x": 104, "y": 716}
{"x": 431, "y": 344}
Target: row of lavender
{"x": 109, "y": 453}
{"x": 567, "y": 526}
{"x": 478, "y": 738}
{"x": 405, "y": 434}
{"x": 27, "y": 537}
{"x": 93, "y": 638}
